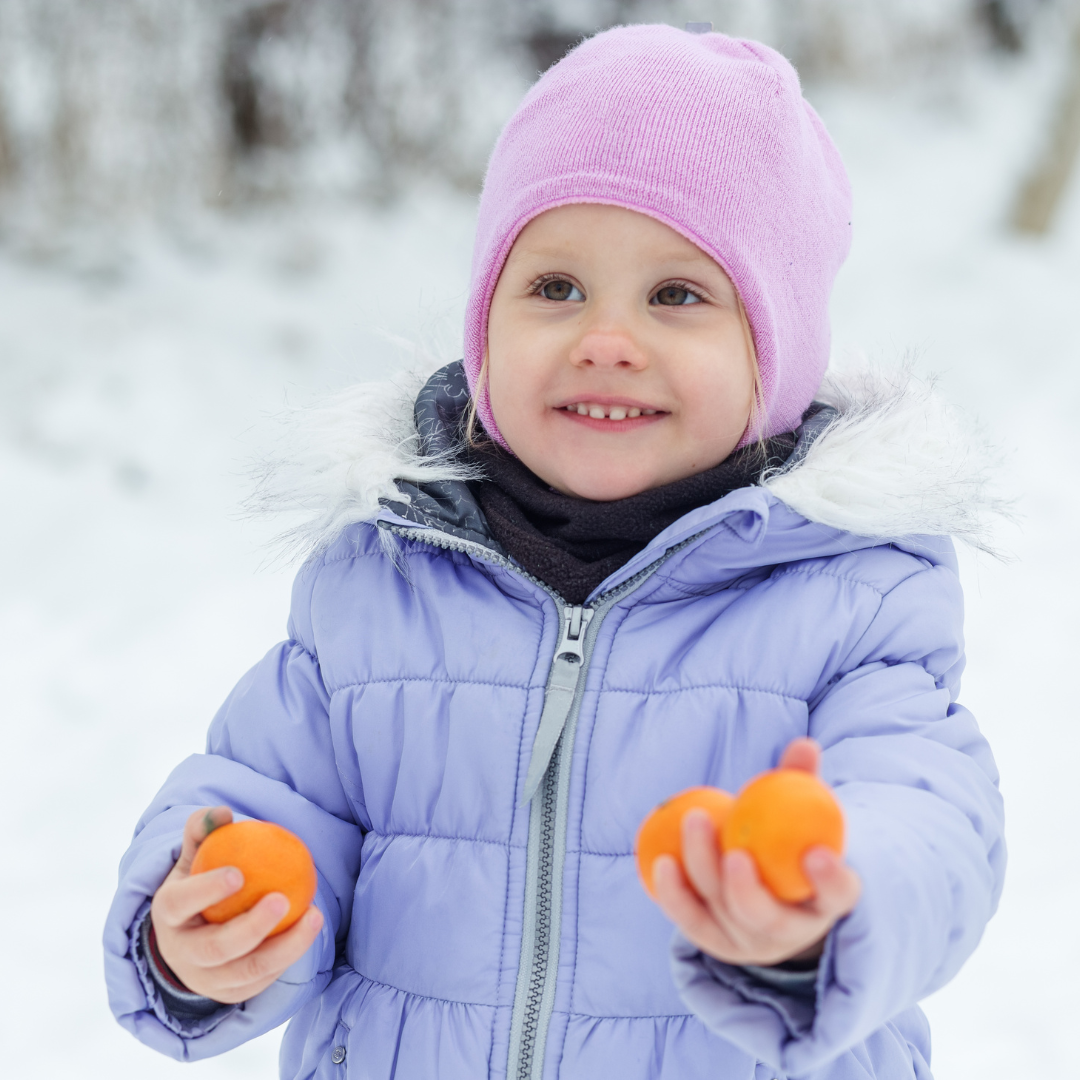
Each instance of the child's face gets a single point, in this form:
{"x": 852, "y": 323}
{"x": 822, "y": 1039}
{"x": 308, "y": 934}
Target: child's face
{"x": 618, "y": 359}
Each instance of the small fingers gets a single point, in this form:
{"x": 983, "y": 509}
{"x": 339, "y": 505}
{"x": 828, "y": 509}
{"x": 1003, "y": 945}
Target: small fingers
{"x": 217, "y": 944}
{"x": 837, "y": 887}
{"x": 680, "y": 903}
{"x": 752, "y": 908}
{"x": 180, "y": 900}
{"x": 701, "y": 858}
{"x": 285, "y": 949}
{"x": 768, "y": 929}
{"x": 252, "y": 972}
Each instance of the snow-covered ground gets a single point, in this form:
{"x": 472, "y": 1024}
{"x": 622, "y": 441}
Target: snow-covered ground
{"x": 136, "y": 386}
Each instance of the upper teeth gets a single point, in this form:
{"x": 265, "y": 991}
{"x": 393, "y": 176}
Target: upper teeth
{"x": 609, "y": 412}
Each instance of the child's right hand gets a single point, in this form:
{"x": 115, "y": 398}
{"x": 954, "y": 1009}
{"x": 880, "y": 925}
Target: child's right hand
{"x": 721, "y": 906}
{"x": 232, "y": 961}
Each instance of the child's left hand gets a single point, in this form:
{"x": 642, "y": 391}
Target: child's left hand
{"x": 727, "y": 912}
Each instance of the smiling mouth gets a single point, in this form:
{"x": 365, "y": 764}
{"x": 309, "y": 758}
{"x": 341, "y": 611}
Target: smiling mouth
{"x": 596, "y": 411}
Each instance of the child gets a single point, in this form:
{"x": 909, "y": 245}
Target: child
{"x": 629, "y": 545}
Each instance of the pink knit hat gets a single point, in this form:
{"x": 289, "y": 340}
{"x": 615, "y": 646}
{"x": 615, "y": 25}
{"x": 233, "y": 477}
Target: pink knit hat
{"x": 711, "y": 136}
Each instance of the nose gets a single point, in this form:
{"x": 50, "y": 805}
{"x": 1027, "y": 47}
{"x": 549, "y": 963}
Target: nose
{"x": 608, "y": 347}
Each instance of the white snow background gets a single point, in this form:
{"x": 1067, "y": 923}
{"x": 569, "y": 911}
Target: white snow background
{"x": 136, "y": 387}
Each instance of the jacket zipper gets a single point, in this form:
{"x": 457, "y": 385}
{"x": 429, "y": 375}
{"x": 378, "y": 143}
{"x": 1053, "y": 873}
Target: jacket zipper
{"x": 547, "y": 787}
{"x": 560, "y": 694}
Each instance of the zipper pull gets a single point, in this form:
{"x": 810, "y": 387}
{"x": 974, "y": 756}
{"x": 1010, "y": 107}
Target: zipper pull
{"x": 559, "y": 697}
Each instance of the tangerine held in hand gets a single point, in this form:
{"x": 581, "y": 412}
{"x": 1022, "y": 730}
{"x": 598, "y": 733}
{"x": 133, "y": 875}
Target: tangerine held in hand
{"x": 661, "y": 831}
{"x": 272, "y": 860}
{"x": 777, "y": 817}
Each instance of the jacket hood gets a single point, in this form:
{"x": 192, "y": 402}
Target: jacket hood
{"x": 879, "y": 456}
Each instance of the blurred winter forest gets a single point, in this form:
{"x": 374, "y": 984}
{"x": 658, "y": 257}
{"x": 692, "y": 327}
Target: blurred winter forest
{"x": 110, "y": 108}
{"x": 210, "y": 209}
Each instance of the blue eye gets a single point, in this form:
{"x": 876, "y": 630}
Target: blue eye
{"x": 561, "y": 289}
{"x": 675, "y": 296}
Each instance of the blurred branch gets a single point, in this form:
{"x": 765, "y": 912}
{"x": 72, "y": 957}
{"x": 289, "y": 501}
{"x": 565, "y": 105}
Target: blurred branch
{"x": 1045, "y": 185}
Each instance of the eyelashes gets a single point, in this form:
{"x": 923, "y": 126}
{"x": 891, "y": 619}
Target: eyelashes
{"x": 556, "y": 287}
{"x": 676, "y": 286}
{"x": 539, "y": 288}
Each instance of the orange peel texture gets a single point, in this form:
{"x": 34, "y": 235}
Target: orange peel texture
{"x": 777, "y": 817}
{"x": 661, "y": 831}
{"x": 272, "y": 860}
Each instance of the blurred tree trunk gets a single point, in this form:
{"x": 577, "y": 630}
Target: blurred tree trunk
{"x": 254, "y": 120}
{"x": 429, "y": 85}
{"x": 999, "y": 18}
{"x": 8, "y": 164}
{"x": 1045, "y": 185}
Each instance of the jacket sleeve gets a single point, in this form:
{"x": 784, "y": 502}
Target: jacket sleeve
{"x": 270, "y": 756}
{"x": 924, "y": 820}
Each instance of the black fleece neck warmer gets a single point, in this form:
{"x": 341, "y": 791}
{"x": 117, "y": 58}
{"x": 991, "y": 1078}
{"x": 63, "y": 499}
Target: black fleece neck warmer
{"x": 572, "y": 544}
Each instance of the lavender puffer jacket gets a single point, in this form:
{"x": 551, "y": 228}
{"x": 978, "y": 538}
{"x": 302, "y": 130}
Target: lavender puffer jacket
{"x": 428, "y": 689}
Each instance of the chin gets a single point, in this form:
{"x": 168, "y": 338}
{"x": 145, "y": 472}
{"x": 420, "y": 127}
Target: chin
{"x": 607, "y": 488}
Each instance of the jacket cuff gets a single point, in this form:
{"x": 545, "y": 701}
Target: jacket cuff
{"x": 797, "y": 983}
{"x": 777, "y": 1005}
{"x": 180, "y": 1009}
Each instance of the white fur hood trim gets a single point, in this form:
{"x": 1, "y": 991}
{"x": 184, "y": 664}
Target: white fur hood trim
{"x": 896, "y": 462}
{"x": 335, "y": 460}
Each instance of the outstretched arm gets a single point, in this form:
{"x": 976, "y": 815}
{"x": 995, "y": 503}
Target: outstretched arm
{"x": 918, "y": 787}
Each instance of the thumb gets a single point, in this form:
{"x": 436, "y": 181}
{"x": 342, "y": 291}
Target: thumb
{"x": 804, "y": 754}
{"x": 197, "y": 828}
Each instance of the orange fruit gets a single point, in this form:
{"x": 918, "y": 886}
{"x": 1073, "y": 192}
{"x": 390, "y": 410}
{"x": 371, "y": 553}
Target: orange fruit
{"x": 272, "y": 860}
{"x": 661, "y": 831}
{"x": 777, "y": 818}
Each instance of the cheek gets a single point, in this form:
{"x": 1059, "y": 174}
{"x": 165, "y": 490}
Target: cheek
{"x": 519, "y": 372}
{"x": 717, "y": 394}
{"x": 506, "y": 386}
{"x": 514, "y": 395}
{"x": 502, "y": 363}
